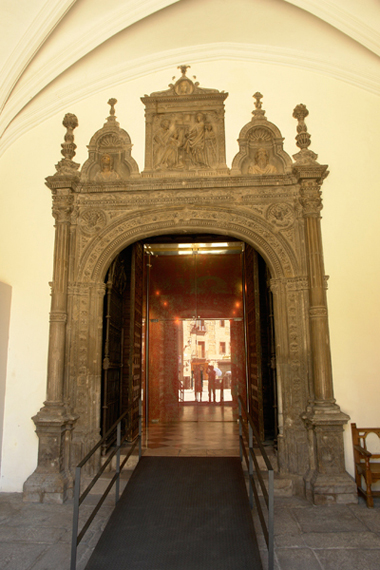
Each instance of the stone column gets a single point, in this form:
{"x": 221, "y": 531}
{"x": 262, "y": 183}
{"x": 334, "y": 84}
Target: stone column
{"x": 52, "y": 480}
{"x": 327, "y": 480}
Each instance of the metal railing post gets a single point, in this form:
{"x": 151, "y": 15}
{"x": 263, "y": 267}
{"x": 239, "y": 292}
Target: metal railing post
{"x": 250, "y": 446}
{"x": 246, "y": 437}
{"x": 79, "y": 498}
{"x": 118, "y": 445}
{"x": 271, "y": 520}
{"x": 74, "y": 538}
{"x": 140, "y": 427}
{"x": 240, "y": 432}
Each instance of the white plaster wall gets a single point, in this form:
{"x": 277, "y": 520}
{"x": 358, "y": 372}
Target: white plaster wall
{"x": 344, "y": 121}
{"x": 5, "y": 310}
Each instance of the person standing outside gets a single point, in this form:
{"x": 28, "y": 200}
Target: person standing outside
{"x": 211, "y": 382}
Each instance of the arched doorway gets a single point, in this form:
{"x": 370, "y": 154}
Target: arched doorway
{"x": 265, "y": 200}
{"x": 204, "y": 333}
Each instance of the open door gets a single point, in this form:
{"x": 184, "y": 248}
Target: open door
{"x": 122, "y": 339}
{"x": 260, "y": 345}
{"x": 196, "y": 356}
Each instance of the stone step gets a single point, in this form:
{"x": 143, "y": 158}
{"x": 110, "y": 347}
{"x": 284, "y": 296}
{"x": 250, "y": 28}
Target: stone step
{"x": 283, "y": 484}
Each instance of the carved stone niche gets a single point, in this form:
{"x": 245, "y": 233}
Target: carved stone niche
{"x": 261, "y": 147}
{"x": 110, "y": 160}
{"x": 185, "y": 133}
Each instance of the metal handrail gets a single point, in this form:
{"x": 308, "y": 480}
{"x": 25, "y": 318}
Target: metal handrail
{"x": 79, "y": 498}
{"x": 251, "y": 459}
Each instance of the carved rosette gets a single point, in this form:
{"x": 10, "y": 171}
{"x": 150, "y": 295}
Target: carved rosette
{"x": 91, "y": 221}
{"x": 280, "y": 215}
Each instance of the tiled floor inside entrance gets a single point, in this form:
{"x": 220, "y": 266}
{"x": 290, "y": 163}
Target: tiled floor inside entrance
{"x": 204, "y": 430}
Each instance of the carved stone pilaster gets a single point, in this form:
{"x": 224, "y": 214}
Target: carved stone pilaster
{"x": 52, "y": 480}
{"x": 327, "y": 480}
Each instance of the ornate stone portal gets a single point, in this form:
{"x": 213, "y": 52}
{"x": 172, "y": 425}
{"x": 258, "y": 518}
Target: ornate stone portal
{"x": 265, "y": 199}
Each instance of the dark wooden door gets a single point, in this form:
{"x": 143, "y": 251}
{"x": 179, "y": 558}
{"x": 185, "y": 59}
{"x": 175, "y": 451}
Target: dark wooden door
{"x": 122, "y": 340}
{"x": 260, "y": 344}
{"x": 113, "y": 334}
{"x": 132, "y": 346}
{"x": 255, "y": 390}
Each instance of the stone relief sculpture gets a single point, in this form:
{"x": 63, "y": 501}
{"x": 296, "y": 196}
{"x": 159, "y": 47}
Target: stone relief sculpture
{"x": 194, "y": 144}
{"x": 166, "y": 146}
{"x": 211, "y": 148}
{"x": 110, "y": 159}
{"x": 107, "y": 172}
{"x": 260, "y": 147}
{"x": 185, "y": 129}
{"x": 182, "y": 144}
{"x": 262, "y": 165}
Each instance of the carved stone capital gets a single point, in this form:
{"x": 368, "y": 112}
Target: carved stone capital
{"x": 310, "y": 198}
{"x": 318, "y": 312}
{"x": 58, "y": 317}
{"x": 62, "y": 209}
{"x": 291, "y": 284}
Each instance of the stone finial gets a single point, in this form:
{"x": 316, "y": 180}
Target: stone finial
{"x": 305, "y": 156}
{"x": 303, "y": 138}
{"x": 183, "y": 69}
{"x": 70, "y": 121}
{"x": 258, "y": 112}
{"x": 112, "y": 102}
{"x": 112, "y": 118}
{"x": 67, "y": 166}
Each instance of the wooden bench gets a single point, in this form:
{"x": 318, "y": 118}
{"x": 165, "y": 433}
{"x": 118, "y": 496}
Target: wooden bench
{"x": 367, "y": 464}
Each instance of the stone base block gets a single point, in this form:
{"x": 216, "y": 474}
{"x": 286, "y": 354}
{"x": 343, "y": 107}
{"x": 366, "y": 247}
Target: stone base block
{"x": 332, "y": 489}
{"x": 47, "y": 488}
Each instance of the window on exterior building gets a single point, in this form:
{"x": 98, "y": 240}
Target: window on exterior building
{"x": 201, "y": 349}
{"x": 222, "y": 348}
{"x": 222, "y": 323}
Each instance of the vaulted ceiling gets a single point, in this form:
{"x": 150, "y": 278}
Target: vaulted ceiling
{"x": 42, "y": 40}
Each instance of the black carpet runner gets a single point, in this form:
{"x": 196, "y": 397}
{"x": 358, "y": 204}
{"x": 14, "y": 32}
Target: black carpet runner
{"x": 180, "y": 513}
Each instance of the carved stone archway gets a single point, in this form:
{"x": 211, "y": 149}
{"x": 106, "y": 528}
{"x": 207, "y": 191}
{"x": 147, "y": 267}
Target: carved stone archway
{"x": 265, "y": 200}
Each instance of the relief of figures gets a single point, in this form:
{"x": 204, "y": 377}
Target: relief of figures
{"x": 178, "y": 145}
{"x": 166, "y": 146}
{"x": 195, "y": 143}
{"x": 107, "y": 172}
{"x": 262, "y": 165}
{"x": 210, "y": 145}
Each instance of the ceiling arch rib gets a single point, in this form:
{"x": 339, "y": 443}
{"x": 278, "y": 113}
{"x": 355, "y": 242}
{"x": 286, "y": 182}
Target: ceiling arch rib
{"x": 43, "y": 108}
{"x": 29, "y": 72}
{"x": 31, "y": 82}
{"x": 39, "y": 30}
{"x": 346, "y": 18}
